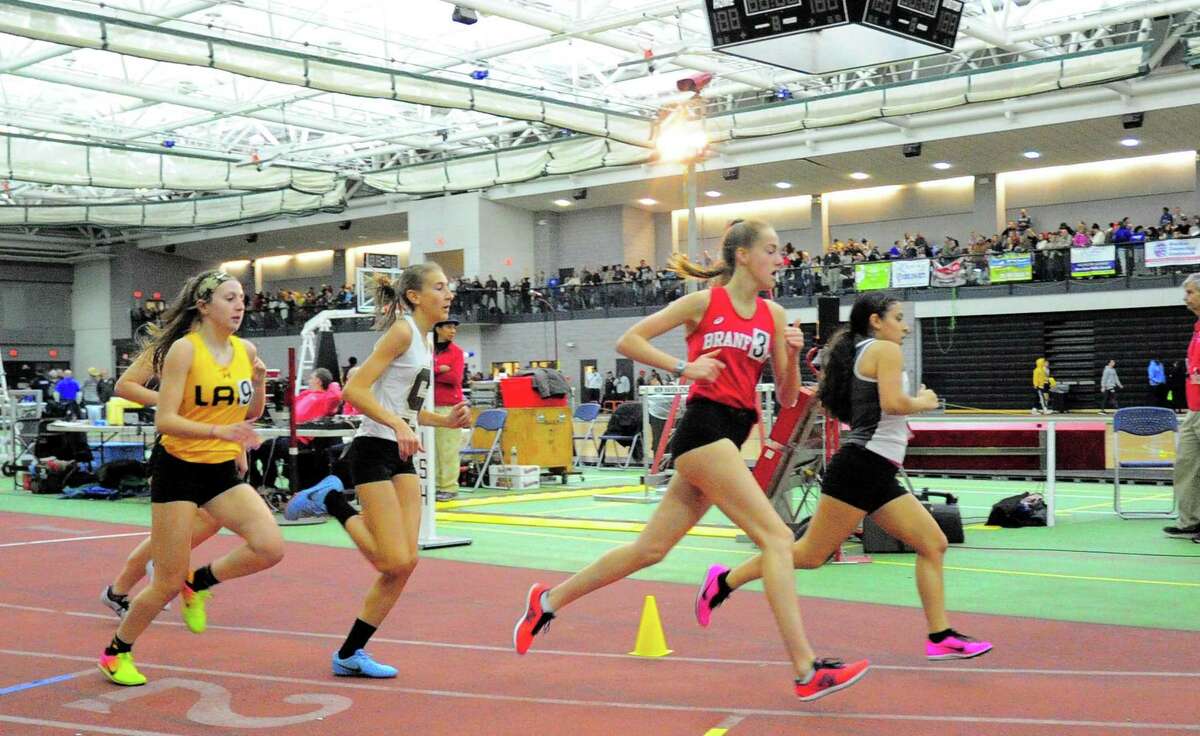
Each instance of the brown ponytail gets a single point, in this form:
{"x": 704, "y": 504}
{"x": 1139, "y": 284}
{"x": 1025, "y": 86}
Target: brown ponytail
{"x": 739, "y": 234}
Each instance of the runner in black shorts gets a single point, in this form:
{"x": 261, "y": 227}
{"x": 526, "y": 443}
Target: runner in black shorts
{"x": 389, "y": 389}
{"x": 862, "y": 385}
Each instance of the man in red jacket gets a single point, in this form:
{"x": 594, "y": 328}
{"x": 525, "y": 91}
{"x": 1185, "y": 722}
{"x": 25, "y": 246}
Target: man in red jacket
{"x": 1187, "y": 454}
{"x": 448, "y": 364}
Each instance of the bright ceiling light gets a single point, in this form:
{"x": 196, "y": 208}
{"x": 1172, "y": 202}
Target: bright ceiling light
{"x": 647, "y": 201}
{"x": 860, "y": 175}
{"x": 783, "y": 185}
{"x": 681, "y": 137}
{"x": 712, "y": 193}
{"x": 1130, "y": 142}
{"x": 1032, "y": 154}
{"x": 942, "y": 165}
{"x": 563, "y": 202}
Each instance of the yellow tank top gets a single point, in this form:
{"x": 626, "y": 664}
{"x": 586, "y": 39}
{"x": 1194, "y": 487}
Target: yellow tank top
{"x": 213, "y": 394}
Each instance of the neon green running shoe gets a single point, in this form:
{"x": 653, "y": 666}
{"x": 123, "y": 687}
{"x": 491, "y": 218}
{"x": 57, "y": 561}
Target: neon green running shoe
{"x": 193, "y": 609}
{"x": 120, "y": 669}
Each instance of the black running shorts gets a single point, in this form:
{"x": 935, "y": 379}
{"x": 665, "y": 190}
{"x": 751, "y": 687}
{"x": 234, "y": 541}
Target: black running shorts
{"x": 861, "y": 478}
{"x": 172, "y": 479}
{"x": 373, "y": 459}
{"x": 707, "y": 421}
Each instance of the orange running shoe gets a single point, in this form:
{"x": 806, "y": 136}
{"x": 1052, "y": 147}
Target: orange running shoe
{"x": 829, "y": 676}
{"x": 534, "y": 621}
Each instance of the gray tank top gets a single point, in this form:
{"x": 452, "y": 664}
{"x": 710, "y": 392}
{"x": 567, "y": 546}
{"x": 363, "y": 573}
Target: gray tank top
{"x": 402, "y": 387}
{"x": 870, "y": 427}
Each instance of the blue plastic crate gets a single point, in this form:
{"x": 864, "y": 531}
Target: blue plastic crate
{"x": 111, "y": 451}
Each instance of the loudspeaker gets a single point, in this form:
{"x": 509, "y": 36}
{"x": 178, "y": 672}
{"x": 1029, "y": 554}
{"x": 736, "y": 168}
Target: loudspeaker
{"x": 947, "y": 516}
{"x": 828, "y": 317}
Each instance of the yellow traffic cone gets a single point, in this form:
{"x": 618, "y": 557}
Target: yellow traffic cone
{"x": 650, "y": 639}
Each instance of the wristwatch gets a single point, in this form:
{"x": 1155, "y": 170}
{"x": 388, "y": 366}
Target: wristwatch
{"x": 680, "y": 366}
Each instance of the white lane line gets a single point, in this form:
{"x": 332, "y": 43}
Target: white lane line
{"x": 664, "y": 707}
{"x": 75, "y": 539}
{"x": 673, "y": 658}
{"x": 81, "y": 728}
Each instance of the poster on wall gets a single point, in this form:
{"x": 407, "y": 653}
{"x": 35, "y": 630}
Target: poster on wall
{"x": 1009, "y": 267}
{"x": 1173, "y": 252}
{"x": 910, "y": 274}
{"x": 953, "y": 273}
{"x": 873, "y": 275}
{"x": 1098, "y": 260}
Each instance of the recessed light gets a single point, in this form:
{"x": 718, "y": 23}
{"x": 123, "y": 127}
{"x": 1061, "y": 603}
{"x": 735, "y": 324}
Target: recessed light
{"x": 1130, "y": 142}
{"x": 783, "y": 185}
{"x": 563, "y": 202}
{"x": 860, "y": 175}
{"x": 1032, "y": 154}
{"x": 712, "y": 193}
{"x": 647, "y": 201}
{"x": 942, "y": 165}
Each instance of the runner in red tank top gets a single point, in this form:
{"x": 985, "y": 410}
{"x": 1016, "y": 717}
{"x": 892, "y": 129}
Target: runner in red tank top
{"x": 731, "y": 334}
{"x": 742, "y": 344}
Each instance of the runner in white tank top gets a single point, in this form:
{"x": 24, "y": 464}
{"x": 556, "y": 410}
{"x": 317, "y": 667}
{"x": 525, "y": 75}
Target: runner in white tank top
{"x": 389, "y": 389}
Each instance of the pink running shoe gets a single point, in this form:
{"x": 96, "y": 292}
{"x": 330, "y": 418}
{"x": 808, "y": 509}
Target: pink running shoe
{"x": 709, "y": 596}
{"x": 956, "y": 646}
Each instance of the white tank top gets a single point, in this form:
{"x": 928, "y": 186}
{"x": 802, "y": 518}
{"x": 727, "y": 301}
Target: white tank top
{"x": 402, "y": 387}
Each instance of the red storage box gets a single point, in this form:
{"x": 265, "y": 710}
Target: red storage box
{"x": 518, "y": 393}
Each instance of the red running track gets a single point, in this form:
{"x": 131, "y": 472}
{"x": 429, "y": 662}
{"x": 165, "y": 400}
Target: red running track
{"x": 263, "y": 666}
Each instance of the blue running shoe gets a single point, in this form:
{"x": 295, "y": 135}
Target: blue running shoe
{"x": 360, "y": 665}
{"x": 311, "y": 501}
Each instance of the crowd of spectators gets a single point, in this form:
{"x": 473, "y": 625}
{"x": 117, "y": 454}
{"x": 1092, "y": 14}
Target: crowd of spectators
{"x": 486, "y": 298}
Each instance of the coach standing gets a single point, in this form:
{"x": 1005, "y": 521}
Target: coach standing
{"x": 1187, "y": 456}
{"x": 448, "y": 363}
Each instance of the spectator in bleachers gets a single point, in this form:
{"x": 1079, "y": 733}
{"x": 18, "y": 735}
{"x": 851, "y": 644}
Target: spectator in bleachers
{"x": 1166, "y": 219}
{"x": 1024, "y": 222}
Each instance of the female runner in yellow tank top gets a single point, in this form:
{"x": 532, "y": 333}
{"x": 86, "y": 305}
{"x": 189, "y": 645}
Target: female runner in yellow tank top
{"x": 212, "y": 384}
{"x": 135, "y": 385}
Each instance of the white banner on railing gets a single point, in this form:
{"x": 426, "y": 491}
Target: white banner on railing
{"x": 910, "y": 274}
{"x": 1173, "y": 252}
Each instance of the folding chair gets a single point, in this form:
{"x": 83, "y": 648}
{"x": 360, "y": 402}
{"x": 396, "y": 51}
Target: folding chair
{"x": 1141, "y": 421}
{"x": 491, "y": 420}
{"x": 623, "y": 428}
{"x": 586, "y": 413}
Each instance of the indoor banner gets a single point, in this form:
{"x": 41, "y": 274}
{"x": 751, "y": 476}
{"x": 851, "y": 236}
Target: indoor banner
{"x": 910, "y": 274}
{"x": 1173, "y": 252}
{"x": 1097, "y": 260}
{"x": 872, "y": 275}
{"x": 1009, "y": 267}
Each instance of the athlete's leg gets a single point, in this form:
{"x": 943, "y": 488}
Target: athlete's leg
{"x": 679, "y": 510}
{"x": 828, "y": 528}
{"x": 721, "y": 474}
{"x": 907, "y": 520}
{"x": 170, "y": 548}
{"x": 243, "y": 512}
{"x": 134, "y": 569}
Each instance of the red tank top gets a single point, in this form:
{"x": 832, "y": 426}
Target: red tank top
{"x": 745, "y": 345}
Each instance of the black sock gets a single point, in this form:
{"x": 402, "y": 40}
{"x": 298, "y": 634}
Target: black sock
{"x": 339, "y": 508}
{"x": 360, "y": 634}
{"x": 202, "y": 579}
{"x": 117, "y": 647}
{"x": 723, "y": 585}
{"x": 938, "y": 637}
